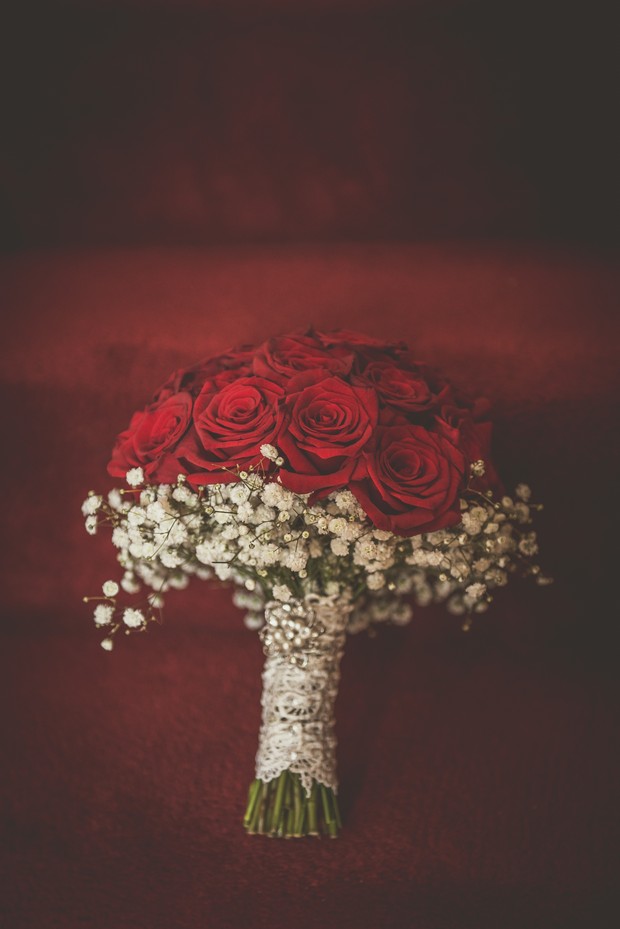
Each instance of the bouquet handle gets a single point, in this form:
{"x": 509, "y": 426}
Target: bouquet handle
{"x": 295, "y": 789}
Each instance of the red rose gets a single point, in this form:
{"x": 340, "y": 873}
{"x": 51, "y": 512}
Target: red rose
{"x": 151, "y": 438}
{"x": 237, "y": 360}
{"x": 412, "y": 482}
{"x": 357, "y": 340}
{"x": 222, "y": 369}
{"x": 281, "y": 358}
{"x": 408, "y": 361}
{"x": 230, "y": 425}
{"x": 327, "y": 424}
{"x": 365, "y": 350}
{"x": 473, "y": 437}
{"x": 405, "y": 390}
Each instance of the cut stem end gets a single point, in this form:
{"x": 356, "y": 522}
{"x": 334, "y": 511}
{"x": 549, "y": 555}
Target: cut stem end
{"x": 281, "y": 808}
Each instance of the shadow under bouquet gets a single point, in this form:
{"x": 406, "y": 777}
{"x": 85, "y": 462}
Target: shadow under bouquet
{"x": 334, "y": 480}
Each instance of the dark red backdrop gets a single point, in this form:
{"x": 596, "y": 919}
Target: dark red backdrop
{"x": 178, "y": 178}
{"x": 267, "y": 120}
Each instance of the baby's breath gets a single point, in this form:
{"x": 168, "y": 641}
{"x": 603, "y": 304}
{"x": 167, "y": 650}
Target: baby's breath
{"x": 272, "y": 544}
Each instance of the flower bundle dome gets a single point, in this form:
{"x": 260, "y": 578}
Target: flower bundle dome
{"x": 335, "y": 480}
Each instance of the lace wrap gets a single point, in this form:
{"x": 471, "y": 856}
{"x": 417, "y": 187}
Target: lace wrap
{"x": 304, "y": 642}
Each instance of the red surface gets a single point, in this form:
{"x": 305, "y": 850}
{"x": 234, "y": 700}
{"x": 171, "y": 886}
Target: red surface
{"x": 478, "y": 772}
{"x": 217, "y": 121}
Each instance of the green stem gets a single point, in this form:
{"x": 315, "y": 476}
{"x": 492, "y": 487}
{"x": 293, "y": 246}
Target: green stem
{"x": 299, "y": 809}
{"x": 259, "y": 825}
{"x": 274, "y": 820}
{"x": 328, "y": 812}
{"x": 253, "y": 797}
{"x": 313, "y": 828}
{"x": 282, "y": 808}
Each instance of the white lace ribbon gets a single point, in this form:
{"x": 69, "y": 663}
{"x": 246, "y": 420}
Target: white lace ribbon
{"x": 304, "y": 642}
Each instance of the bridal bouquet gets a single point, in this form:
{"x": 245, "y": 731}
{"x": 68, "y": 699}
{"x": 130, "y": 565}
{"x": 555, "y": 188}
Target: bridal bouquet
{"x": 334, "y": 480}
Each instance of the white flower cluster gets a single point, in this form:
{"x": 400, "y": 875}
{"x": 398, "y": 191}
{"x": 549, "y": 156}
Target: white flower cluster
{"x": 273, "y": 545}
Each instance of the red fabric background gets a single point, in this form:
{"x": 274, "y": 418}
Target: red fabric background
{"x": 176, "y": 177}
{"x": 478, "y": 772}
{"x": 215, "y": 121}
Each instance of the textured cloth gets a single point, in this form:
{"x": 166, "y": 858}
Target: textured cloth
{"x": 477, "y": 771}
{"x": 183, "y": 121}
